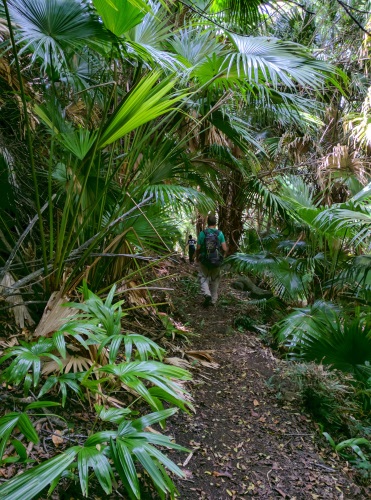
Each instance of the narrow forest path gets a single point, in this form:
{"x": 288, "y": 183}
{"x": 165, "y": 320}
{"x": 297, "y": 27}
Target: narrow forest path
{"x": 244, "y": 441}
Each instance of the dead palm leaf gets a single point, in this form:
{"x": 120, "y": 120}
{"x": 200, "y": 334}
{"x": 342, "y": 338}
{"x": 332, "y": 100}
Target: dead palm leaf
{"x": 203, "y": 358}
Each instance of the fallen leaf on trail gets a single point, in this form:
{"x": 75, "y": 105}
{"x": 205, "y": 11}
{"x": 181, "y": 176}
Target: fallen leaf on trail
{"x": 262, "y": 419}
{"x": 222, "y": 474}
{"x": 256, "y": 402}
{"x": 56, "y": 439}
{"x": 254, "y": 414}
{"x": 282, "y": 493}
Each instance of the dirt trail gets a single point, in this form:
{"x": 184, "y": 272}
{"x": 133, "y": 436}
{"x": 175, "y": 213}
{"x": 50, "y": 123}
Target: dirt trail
{"x": 245, "y": 442}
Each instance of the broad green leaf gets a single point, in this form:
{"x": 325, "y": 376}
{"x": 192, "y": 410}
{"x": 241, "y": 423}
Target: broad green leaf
{"x": 143, "y": 103}
{"x": 153, "y": 418}
{"x": 125, "y": 467}
{"x": 41, "y": 404}
{"x": 161, "y": 457}
{"x": 115, "y": 415}
{"x": 20, "y": 449}
{"x": 28, "y": 485}
{"x": 26, "y": 427}
{"x": 118, "y": 16}
{"x": 91, "y": 457}
{"x": 150, "y": 467}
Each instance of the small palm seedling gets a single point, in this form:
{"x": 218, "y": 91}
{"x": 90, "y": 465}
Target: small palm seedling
{"x": 360, "y": 458}
{"x": 21, "y": 421}
{"x": 27, "y": 363}
{"x": 111, "y": 456}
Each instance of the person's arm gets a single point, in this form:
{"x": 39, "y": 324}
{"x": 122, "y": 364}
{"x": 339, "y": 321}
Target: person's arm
{"x": 224, "y": 248}
{"x": 200, "y": 240}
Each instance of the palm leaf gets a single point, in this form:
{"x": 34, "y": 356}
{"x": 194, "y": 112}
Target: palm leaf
{"x": 239, "y": 12}
{"x": 269, "y": 60}
{"x": 118, "y": 16}
{"x": 294, "y": 328}
{"x": 29, "y": 484}
{"x": 47, "y": 27}
{"x": 144, "y": 103}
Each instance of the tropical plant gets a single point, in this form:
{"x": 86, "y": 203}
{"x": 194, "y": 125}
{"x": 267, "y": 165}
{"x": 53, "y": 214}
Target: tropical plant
{"x": 108, "y": 455}
{"x": 21, "y": 421}
{"x": 90, "y": 346}
{"x": 318, "y": 334}
{"x": 360, "y": 458}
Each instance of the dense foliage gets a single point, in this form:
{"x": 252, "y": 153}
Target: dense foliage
{"x": 120, "y": 119}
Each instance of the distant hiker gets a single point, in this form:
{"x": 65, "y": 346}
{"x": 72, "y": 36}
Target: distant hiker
{"x": 191, "y": 243}
{"x": 211, "y": 247}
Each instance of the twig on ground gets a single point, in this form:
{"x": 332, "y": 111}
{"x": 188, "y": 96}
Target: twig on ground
{"x": 324, "y": 467}
{"x": 186, "y": 461}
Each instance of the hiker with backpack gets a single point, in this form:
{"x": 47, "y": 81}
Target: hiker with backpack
{"x": 211, "y": 247}
{"x": 191, "y": 243}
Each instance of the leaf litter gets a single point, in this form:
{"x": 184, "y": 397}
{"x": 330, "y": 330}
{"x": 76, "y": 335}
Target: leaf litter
{"x": 244, "y": 442}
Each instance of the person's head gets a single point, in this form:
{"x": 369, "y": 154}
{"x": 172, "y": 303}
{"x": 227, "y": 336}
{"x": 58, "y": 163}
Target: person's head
{"x": 211, "y": 220}
{"x": 190, "y": 237}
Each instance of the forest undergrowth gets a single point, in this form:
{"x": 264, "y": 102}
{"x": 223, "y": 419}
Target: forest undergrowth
{"x": 258, "y": 426}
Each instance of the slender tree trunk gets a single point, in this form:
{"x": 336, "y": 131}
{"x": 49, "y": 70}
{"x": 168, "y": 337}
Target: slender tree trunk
{"x": 231, "y": 212}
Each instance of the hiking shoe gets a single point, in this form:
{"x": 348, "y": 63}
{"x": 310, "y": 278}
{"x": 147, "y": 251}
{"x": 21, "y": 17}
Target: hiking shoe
{"x": 207, "y": 301}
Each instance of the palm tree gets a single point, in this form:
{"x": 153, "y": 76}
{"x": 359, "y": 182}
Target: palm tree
{"x": 113, "y": 156}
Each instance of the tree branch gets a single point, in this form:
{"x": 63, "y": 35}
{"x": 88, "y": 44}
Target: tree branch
{"x": 354, "y": 19}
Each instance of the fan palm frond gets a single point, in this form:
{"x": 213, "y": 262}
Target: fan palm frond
{"x": 294, "y": 327}
{"x": 352, "y": 223}
{"x": 239, "y": 12}
{"x": 296, "y": 191}
{"x": 258, "y": 192}
{"x": 258, "y": 263}
{"x": 48, "y": 27}
{"x": 148, "y": 40}
{"x": 170, "y": 194}
{"x": 269, "y": 60}
{"x": 193, "y": 45}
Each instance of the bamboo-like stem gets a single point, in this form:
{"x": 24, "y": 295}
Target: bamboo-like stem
{"x": 70, "y": 240}
{"x": 29, "y": 137}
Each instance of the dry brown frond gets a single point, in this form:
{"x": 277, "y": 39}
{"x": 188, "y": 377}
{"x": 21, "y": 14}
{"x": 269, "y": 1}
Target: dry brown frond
{"x": 72, "y": 363}
{"x": 55, "y": 315}
{"x": 296, "y": 146}
{"x": 179, "y": 362}
{"x": 335, "y": 168}
{"x": 4, "y": 30}
{"x": 137, "y": 297}
{"x": 18, "y": 308}
{"x": 78, "y": 114}
{"x": 202, "y": 358}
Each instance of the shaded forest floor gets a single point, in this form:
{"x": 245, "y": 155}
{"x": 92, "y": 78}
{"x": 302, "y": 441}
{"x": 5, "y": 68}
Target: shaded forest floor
{"x": 248, "y": 437}
{"x": 244, "y": 440}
